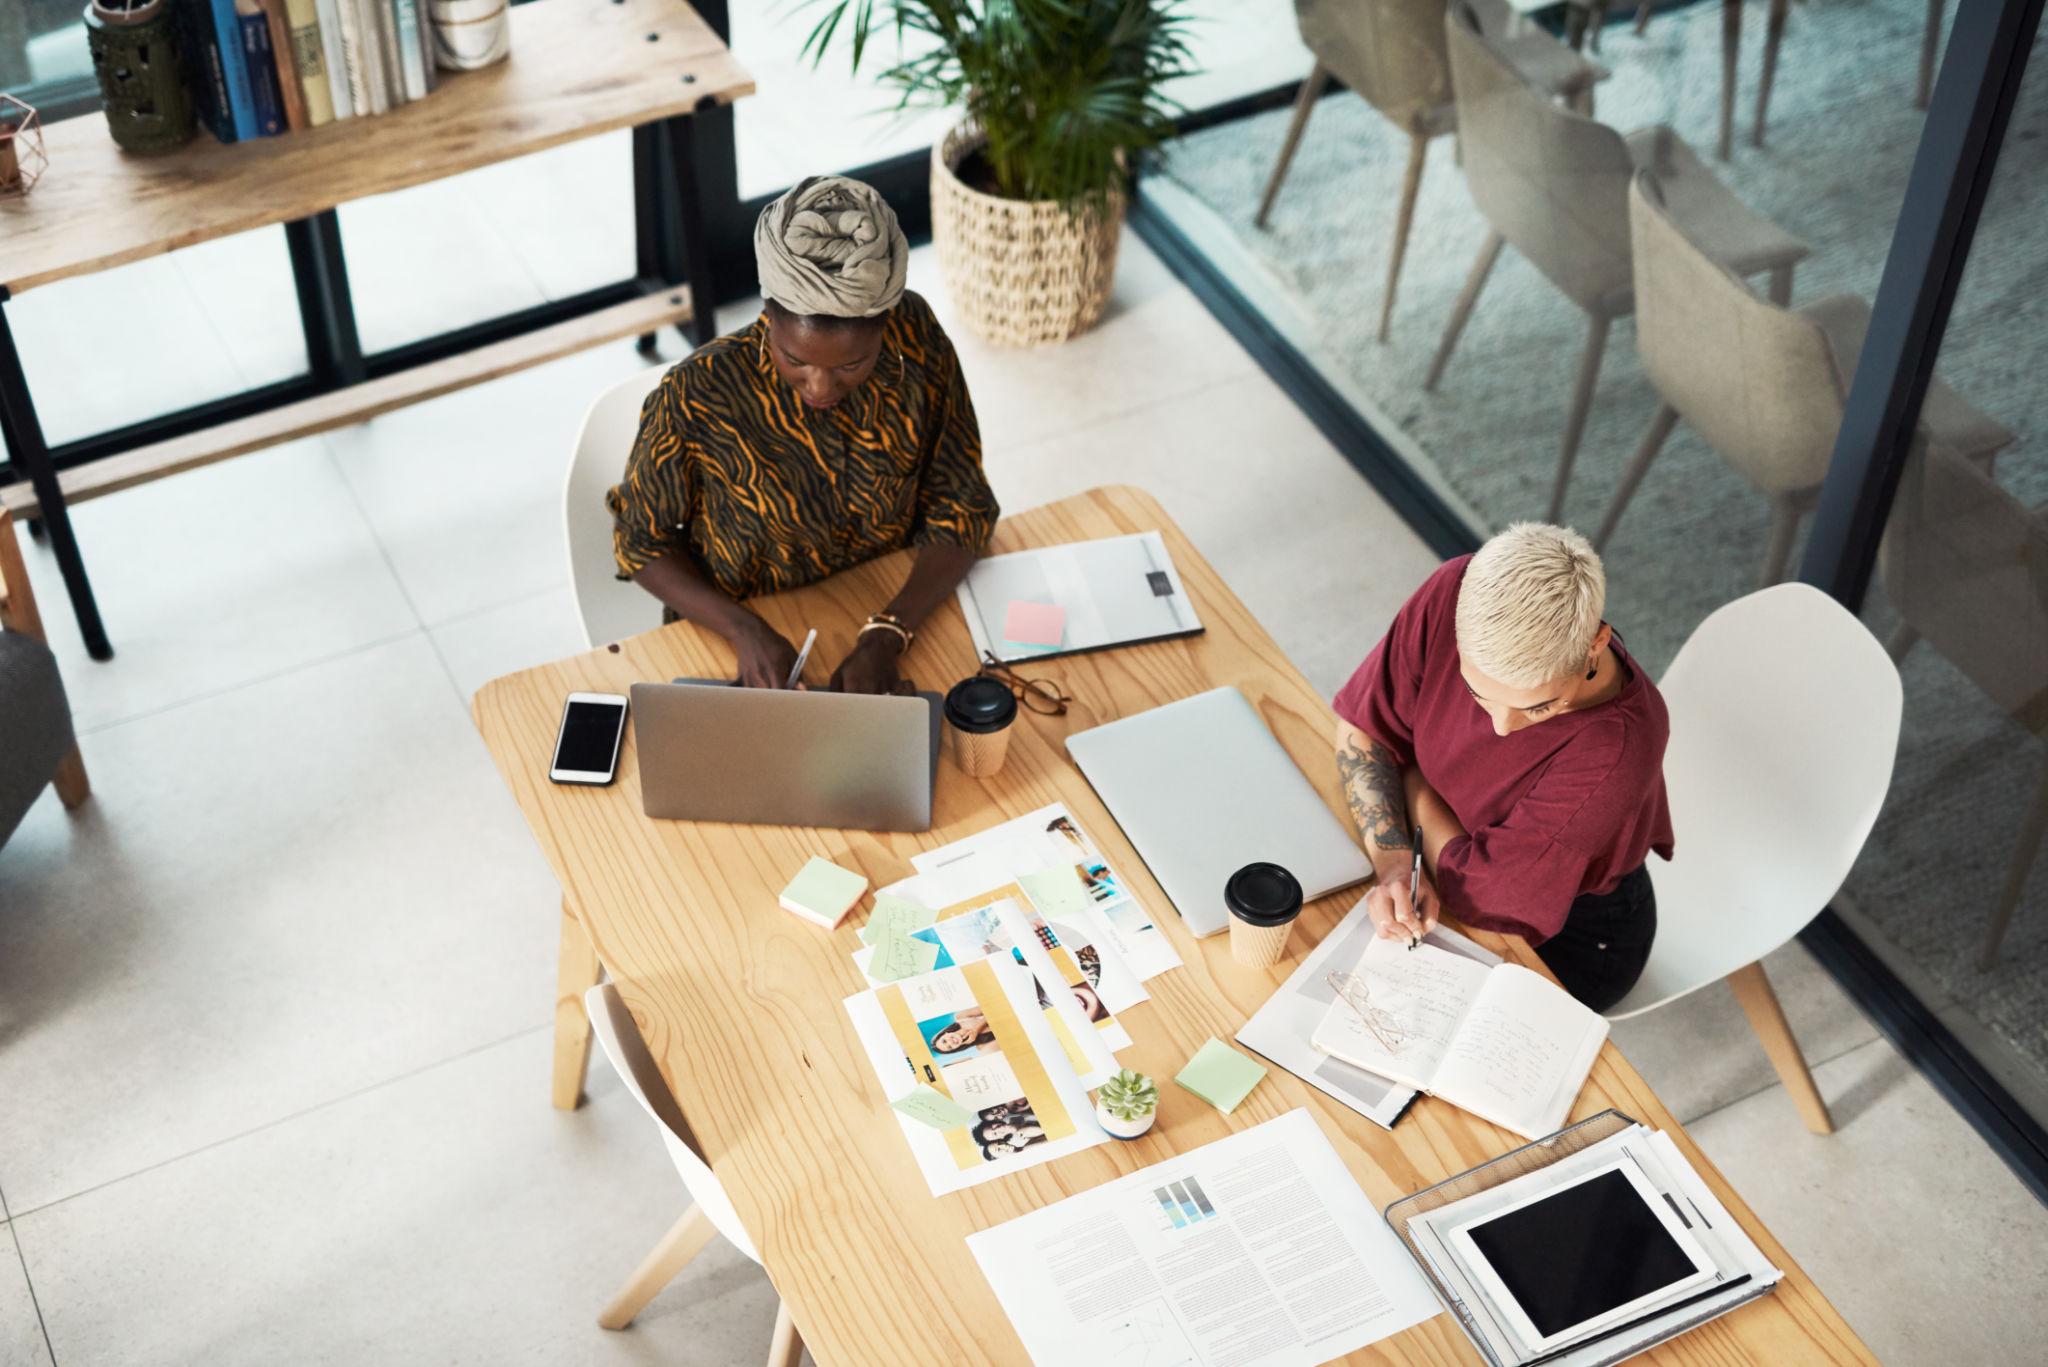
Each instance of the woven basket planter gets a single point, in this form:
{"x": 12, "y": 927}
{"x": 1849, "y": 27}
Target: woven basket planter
{"x": 1022, "y": 272}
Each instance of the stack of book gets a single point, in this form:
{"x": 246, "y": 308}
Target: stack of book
{"x": 264, "y": 67}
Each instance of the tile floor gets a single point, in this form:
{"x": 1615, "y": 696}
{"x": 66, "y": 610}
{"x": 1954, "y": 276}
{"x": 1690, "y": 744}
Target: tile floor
{"x": 274, "y": 1007}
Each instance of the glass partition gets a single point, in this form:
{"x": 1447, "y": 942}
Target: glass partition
{"x": 1948, "y": 891}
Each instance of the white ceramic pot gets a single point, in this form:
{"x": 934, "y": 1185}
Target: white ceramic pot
{"x": 1125, "y": 1129}
{"x": 469, "y": 34}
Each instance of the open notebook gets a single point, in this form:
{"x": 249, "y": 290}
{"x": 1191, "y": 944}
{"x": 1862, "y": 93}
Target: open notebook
{"x": 1500, "y": 1041}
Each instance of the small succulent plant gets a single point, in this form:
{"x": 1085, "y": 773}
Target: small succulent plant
{"x": 1129, "y": 1096}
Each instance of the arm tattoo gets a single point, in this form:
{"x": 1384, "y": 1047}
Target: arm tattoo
{"x": 1372, "y": 785}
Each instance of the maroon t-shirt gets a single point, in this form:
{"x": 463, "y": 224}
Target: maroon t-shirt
{"x": 1567, "y": 806}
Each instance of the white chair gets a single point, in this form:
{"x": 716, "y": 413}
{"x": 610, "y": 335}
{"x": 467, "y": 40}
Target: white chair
{"x": 612, "y": 609}
{"x": 1784, "y": 724}
{"x": 711, "y": 1210}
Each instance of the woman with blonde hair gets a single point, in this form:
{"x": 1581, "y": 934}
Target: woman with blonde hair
{"x": 1501, "y": 716}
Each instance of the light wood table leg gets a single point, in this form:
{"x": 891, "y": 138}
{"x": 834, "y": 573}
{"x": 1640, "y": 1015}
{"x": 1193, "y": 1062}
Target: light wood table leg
{"x": 73, "y": 788}
{"x": 685, "y": 1240}
{"x": 786, "y": 1347}
{"x": 1767, "y": 1018}
{"x": 576, "y": 972}
{"x": 1575, "y": 418}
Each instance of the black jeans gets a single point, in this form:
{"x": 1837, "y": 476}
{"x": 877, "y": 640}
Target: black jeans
{"x": 1605, "y": 941}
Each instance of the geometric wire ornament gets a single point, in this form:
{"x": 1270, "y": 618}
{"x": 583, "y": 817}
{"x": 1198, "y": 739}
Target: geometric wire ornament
{"x": 22, "y": 157}
{"x": 1352, "y": 990}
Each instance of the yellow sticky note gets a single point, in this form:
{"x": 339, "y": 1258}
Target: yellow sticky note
{"x": 895, "y": 915}
{"x": 933, "y": 1108}
{"x": 901, "y": 956}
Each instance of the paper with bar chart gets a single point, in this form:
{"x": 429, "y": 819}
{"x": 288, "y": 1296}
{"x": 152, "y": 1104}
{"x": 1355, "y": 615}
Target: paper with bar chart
{"x": 1258, "y": 1250}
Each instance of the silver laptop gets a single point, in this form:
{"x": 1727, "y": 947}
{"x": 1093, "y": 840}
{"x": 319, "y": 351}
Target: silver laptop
{"x": 1201, "y": 788}
{"x": 712, "y": 752}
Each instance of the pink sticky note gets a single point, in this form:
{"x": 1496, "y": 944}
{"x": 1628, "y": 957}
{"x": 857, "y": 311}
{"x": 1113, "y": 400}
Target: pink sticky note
{"x": 1035, "y": 624}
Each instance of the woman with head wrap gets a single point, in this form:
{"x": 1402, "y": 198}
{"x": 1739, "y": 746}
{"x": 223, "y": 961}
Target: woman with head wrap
{"x": 836, "y": 428}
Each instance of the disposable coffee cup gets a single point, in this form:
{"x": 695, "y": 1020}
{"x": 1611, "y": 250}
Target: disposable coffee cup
{"x": 978, "y": 713}
{"x": 1263, "y": 899}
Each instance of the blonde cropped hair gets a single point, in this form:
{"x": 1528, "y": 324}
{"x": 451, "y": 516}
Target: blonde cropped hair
{"x": 1530, "y": 605}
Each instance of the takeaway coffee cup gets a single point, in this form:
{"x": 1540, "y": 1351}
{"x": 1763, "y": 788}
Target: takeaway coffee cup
{"x": 978, "y": 713}
{"x": 1263, "y": 899}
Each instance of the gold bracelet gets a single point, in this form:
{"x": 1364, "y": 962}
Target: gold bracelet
{"x": 887, "y": 621}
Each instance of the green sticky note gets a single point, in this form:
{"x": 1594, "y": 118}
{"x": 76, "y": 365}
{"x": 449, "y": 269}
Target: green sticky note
{"x": 1220, "y": 1075}
{"x": 901, "y": 956}
{"x": 933, "y": 1108}
{"x": 1056, "y": 892}
{"x": 823, "y": 892}
{"x": 895, "y": 915}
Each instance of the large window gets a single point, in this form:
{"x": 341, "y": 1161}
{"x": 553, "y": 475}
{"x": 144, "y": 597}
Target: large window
{"x": 43, "y": 57}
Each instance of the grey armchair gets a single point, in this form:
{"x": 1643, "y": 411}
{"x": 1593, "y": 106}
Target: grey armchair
{"x": 1390, "y": 53}
{"x": 1762, "y": 384}
{"x": 36, "y": 742}
{"x": 1553, "y": 184}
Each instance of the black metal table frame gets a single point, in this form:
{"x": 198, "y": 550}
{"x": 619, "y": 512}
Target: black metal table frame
{"x": 672, "y": 249}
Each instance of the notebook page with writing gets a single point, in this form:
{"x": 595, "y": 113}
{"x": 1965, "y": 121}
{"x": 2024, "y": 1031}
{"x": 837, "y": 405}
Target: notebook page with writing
{"x": 1398, "y": 1010}
{"x": 1521, "y": 1053}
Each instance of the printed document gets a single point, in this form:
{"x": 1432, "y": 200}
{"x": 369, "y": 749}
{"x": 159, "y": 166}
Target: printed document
{"x": 1280, "y": 1029}
{"x": 1258, "y": 1250}
{"x": 975, "y": 1035}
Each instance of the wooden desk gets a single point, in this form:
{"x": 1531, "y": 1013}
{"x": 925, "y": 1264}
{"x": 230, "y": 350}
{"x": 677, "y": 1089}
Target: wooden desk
{"x": 578, "y": 68}
{"x": 740, "y": 1001}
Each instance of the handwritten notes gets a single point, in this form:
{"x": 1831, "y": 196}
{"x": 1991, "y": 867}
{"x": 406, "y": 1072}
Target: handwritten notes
{"x": 901, "y": 956}
{"x": 895, "y": 916}
{"x": 934, "y": 1108}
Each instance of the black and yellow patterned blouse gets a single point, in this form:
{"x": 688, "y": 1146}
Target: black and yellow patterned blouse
{"x": 764, "y": 493}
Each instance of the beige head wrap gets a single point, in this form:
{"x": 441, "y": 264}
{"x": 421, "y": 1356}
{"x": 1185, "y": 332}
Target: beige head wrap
{"x": 832, "y": 246}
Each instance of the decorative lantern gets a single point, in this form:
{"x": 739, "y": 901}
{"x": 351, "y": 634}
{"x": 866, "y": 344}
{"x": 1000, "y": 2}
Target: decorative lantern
{"x": 135, "y": 54}
{"x": 22, "y": 157}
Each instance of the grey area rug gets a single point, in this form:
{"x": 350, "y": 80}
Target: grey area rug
{"x": 1841, "y": 140}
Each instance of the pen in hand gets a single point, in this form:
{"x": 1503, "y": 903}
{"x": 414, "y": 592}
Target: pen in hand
{"x": 1415, "y": 886}
{"x": 797, "y": 670}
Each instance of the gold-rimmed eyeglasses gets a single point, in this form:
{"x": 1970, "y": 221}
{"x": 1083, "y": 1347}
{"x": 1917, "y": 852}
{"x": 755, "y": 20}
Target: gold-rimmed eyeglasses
{"x": 1040, "y": 695}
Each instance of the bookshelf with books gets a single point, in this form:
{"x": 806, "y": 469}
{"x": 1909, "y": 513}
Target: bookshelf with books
{"x": 260, "y": 68}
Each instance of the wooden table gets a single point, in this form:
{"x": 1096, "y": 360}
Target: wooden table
{"x": 578, "y": 68}
{"x": 740, "y": 1001}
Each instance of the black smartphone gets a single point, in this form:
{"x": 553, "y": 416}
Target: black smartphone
{"x": 587, "y": 745}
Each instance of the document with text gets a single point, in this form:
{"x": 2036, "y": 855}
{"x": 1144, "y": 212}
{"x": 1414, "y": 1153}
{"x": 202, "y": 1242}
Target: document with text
{"x": 1258, "y": 1250}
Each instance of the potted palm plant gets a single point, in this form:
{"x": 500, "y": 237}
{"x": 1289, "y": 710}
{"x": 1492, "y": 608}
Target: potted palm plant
{"x": 1056, "y": 97}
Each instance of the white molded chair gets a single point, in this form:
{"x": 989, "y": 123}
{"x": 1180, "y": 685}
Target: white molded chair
{"x": 1784, "y": 724}
{"x": 611, "y": 609}
{"x": 711, "y": 1211}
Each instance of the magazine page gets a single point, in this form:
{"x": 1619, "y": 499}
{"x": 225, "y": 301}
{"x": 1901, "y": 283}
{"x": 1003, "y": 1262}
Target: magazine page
{"x": 1067, "y": 972}
{"x": 974, "y": 1034}
{"x": 1058, "y": 870}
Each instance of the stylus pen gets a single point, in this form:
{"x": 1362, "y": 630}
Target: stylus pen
{"x": 1415, "y": 882}
{"x": 797, "y": 670}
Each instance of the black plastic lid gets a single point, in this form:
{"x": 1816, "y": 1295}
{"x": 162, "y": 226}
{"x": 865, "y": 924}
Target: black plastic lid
{"x": 1263, "y": 895}
{"x": 980, "y": 705}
